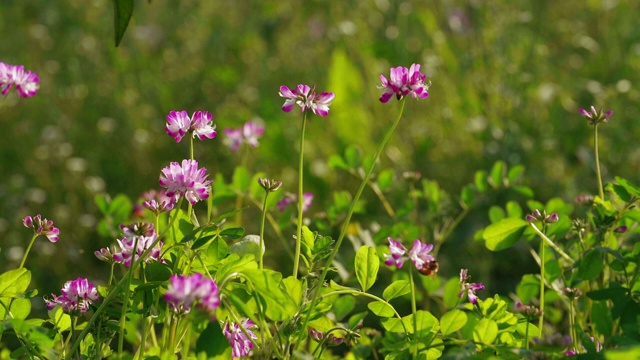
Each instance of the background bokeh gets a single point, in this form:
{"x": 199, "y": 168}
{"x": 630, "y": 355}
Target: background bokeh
{"x": 508, "y": 78}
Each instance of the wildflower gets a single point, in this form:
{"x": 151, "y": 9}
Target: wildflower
{"x": 596, "y": 116}
{"x": 186, "y": 180}
{"x": 26, "y": 82}
{"x": 249, "y": 133}
{"x": 584, "y": 199}
{"x": 42, "y": 227}
{"x": 307, "y": 201}
{"x": 419, "y": 254}
{"x": 142, "y": 234}
{"x": 536, "y": 215}
{"x": 469, "y": 288}
{"x": 598, "y": 347}
{"x": 269, "y": 185}
{"x": 620, "y": 229}
{"x": 572, "y": 293}
{"x": 240, "y": 342}
{"x": 316, "y": 335}
{"x": 305, "y": 97}
{"x": 158, "y": 201}
{"x": 185, "y": 291}
{"x": 179, "y": 124}
{"x": 530, "y": 312}
{"x": 403, "y": 82}
{"x": 76, "y": 296}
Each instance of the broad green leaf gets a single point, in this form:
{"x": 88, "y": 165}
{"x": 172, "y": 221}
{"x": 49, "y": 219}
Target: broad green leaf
{"x": 452, "y": 321}
{"x": 523, "y": 190}
{"x": 480, "y": 181}
{"x": 212, "y": 341}
{"x": 497, "y": 173}
{"x": 590, "y": 266}
{"x": 485, "y": 331}
{"x": 528, "y": 288}
{"x": 217, "y": 250}
{"x": 521, "y": 328}
{"x": 514, "y": 210}
{"x": 308, "y": 241}
{"x": 14, "y": 282}
{"x": 514, "y": 174}
{"x": 352, "y": 156}
{"x": 496, "y": 213}
{"x": 61, "y": 320}
{"x": 601, "y": 318}
{"x": 123, "y": 9}
{"x": 157, "y": 272}
{"x": 629, "y": 187}
{"x": 295, "y": 290}
{"x": 337, "y": 162}
{"x": 504, "y": 233}
{"x": 280, "y": 306}
{"x": 343, "y": 307}
{"x": 467, "y": 196}
{"x": 102, "y": 202}
{"x": 366, "y": 266}
{"x": 385, "y": 179}
{"x": 235, "y": 263}
{"x": 20, "y": 307}
{"x": 232, "y": 233}
{"x": 396, "y": 325}
{"x": 396, "y": 289}
{"x": 120, "y": 208}
{"x": 356, "y": 319}
{"x": 425, "y": 323}
{"x": 622, "y": 193}
{"x": 451, "y": 291}
{"x": 381, "y": 309}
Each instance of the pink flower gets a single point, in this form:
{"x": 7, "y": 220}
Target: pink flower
{"x": 595, "y": 116}
{"x": 126, "y": 251}
{"x": 241, "y": 344}
{"x": 158, "y": 201}
{"x": 307, "y": 201}
{"x": 76, "y": 296}
{"x": 42, "y": 227}
{"x": 185, "y": 291}
{"x": 403, "y": 82}
{"x": 397, "y": 254}
{"x": 305, "y": 97}
{"x": 186, "y": 180}
{"x": 26, "y": 82}
{"x": 249, "y": 134}
{"x": 419, "y": 254}
{"x": 179, "y": 124}
{"x": 469, "y": 288}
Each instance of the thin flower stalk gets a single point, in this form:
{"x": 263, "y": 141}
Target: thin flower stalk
{"x": 597, "y": 158}
{"x": 352, "y": 206}
{"x": 414, "y": 310}
{"x": 552, "y": 244}
{"x": 296, "y": 261}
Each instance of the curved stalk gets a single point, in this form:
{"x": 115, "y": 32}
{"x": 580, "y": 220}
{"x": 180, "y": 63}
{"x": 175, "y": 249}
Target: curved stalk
{"x": 296, "y": 261}
{"x": 598, "y": 173}
{"x": 24, "y": 258}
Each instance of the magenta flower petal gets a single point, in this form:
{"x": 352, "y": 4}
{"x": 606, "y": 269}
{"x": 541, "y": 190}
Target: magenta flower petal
{"x": 178, "y": 123}
{"x": 201, "y": 125}
{"x": 403, "y": 82}
{"x": 419, "y": 253}
{"x": 76, "y": 296}
{"x": 186, "y": 180}
{"x": 241, "y": 345}
{"x": 397, "y": 254}
{"x": 305, "y": 97}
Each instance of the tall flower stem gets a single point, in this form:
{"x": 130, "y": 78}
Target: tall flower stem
{"x": 345, "y": 225}
{"x": 296, "y": 261}
{"x": 264, "y": 216}
{"x": 572, "y": 324}
{"x": 414, "y": 309}
{"x": 24, "y": 258}
{"x": 127, "y": 292}
{"x": 599, "y": 174}
{"x": 542, "y": 272}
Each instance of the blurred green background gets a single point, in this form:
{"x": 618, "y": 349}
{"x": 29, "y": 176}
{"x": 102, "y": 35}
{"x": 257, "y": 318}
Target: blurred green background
{"x": 508, "y": 78}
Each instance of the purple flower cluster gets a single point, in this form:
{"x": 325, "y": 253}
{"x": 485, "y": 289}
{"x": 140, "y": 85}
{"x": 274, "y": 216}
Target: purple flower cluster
{"x": 240, "y": 343}
{"x": 419, "y": 254}
{"x": 184, "y": 292}
{"x": 403, "y": 82}
{"x": 536, "y": 215}
{"x": 179, "y": 124}
{"x": 469, "y": 288}
{"x": 126, "y": 251}
{"x": 307, "y": 201}
{"x": 26, "y": 82}
{"x": 249, "y": 134}
{"x": 305, "y": 97}
{"x": 158, "y": 201}
{"x": 76, "y": 297}
{"x": 42, "y": 227}
{"x": 186, "y": 180}
{"x": 595, "y": 116}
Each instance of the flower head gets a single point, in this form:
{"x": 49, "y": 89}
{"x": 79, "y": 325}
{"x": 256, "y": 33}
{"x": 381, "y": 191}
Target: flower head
{"x": 397, "y": 254}
{"x": 158, "y": 201}
{"x": 184, "y": 292}
{"x": 594, "y": 116}
{"x": 26, "y": 82}
{"x": 403, "y": 82}
{"x": 249, "y": 134}
{"x": 186, "y": 180}
{"x": 307, "y": 201}
{"x": 241, "y": 344}
{"x": 536, "y": 215}
{"x": 179, "y": 124}
{"x": 469, "y": 288}
{"x": 305, "y": 97}
{"x": 419, "y": 255}
{"x": 270, "y": 185}
{"x": 137, "y": 239}
{"x": 76, "y": 296}
{"x": 42, "y": 227}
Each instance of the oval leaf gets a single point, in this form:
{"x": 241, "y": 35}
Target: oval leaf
{"x": 14, "y": 282}
{"x": 367, "y": 264}
{"x": 485, "y": 331}
{"x": 504, "y": 233}
{"x": 381, "y": 309}
{"x": 397, "y": 289}
{"x": 452, "y": 321}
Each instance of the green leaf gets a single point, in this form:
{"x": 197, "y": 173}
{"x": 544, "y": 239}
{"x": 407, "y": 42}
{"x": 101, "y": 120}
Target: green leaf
{"x": 504, "y": 234}
{"x": 496, "y": 214}
{"x": 280, "y": 306}
{"x": 381, "y": 309}
{"x": 61, "y": 320}
{"x": 352, "y": 156}
{"x": 451, "y": 291}
{"x": 120, "y": 208}
{"x": 622, "y": 193}
{"x": 241, "y": 179}
{"x": 514, "y": 210}
{"x": 157, "y": 272}
{"x": 514, "y": 174}
{"x": 425, "y": 323}
{"x": 343, "y": 307}
{"x": 396, "y": 325}
{"x": 14, "y": 282}
{"x": 102, "y": 202}
{"x": 294, "y": 289}
{"x": 452, "y": 321}
{"x": 123, "y": 10}
{"x": 528, "y": 288}
{"x": 337, "y": 162}
{"x": 480, "y": 181}
{"x": 366, "y": 266}
{"x": 497, "y": 173}
{"x": 467, "y": 196}
{"x": 601, "y": 317}
{"x": 396, "y": 289}
{"x": 232, "y": 233}
{"x": 308, "y": 241}
{"x": 631, "y": 188}
{"x": 485, "y": 331}
{"x": 590, "y": 266}
{"x": 385, "y": 179}
{"x": 217, "y": 250}
{"x": 20, "y": 308}
{"x": 212, "y": 341}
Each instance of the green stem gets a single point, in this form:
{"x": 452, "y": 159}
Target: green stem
{"x": 552, "y": 244}
{"x": 542, "y": 272}
{"x": 413, "y": 310}
{"x": 574, "y": 334}
{"x": 127, "y": 292}
{"x": 526, "y": 335}
{"x": 599, "y": 174}
{"x": 296, "y": 261}
{"x": 24, "y": 258}
{"x": 264, "y": 216}
{"x": 345, "y": 225}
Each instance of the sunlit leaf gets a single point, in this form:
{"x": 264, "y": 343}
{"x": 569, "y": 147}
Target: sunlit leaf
{"x": 14, "y": 282}
{"x": 123, "y": 10}
{"x": 366, "y": 266}
{"x": 452, "y": 321}
{"x": 396, "y": 289}
{"x": 504, "y": 234}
